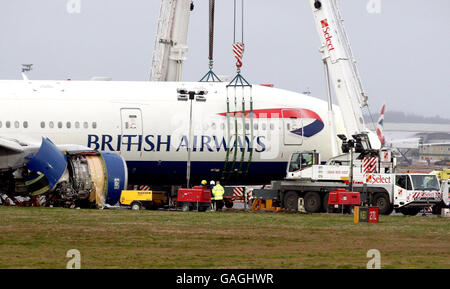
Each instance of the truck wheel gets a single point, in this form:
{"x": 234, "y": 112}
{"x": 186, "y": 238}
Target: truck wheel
{"x": 381, "y": 200}
{"x": 229, "y": 204}
{"x": 185, "y": 207}
{"x": 326, "y": 208}
{"x": 410, "y": 211}
{"x": 203, "y": 208}
{"x": 136, "y": 206}
{"x": 312, "y": 202}
{"x": 291, "y": 201}
{"x": 437, "y": 209}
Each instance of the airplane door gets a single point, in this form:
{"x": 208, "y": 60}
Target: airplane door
{"x": 292, "y": 127}
{"x": 131, "y": 124}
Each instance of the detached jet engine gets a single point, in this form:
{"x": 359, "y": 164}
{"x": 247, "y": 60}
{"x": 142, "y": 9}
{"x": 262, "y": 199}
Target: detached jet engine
{"x": 65, "y": 174}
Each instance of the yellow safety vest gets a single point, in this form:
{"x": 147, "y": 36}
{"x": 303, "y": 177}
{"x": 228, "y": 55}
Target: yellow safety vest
{"x": 218, "y": 192}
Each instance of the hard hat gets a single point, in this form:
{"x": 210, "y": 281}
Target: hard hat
{"x": 212, "y": 183}
{"x": 204, "y": 182}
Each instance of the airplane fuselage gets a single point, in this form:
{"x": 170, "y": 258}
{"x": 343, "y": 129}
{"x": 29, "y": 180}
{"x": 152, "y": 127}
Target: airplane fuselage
{"x": 149, "y": 126}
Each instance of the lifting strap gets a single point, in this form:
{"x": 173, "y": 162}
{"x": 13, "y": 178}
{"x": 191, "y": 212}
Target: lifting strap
{"x": 238, "y": 82}
{"x": 251, "y": 133}
{"x": 224, "y": 170}
{"x": 210, "y": 76}
{"x": 244, "y": 134}
{"x": 236, "y": 135}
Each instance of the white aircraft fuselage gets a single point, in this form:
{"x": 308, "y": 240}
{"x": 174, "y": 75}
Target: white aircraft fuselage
{"x": 147, "y": 124}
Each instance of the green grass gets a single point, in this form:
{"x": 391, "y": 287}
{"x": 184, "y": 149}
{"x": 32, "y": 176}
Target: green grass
{"x": 40, "y": 238}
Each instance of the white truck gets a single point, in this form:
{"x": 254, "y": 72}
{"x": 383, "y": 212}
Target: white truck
{"x": 312, "y": 181}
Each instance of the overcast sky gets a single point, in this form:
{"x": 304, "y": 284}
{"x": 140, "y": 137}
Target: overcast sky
{"x": 402, "y": 52}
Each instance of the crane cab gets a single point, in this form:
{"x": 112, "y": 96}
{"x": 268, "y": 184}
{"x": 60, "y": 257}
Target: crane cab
{"x": 301, "y": 160}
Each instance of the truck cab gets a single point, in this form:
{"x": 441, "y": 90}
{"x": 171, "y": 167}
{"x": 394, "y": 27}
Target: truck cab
{"x": 412, "y": 192}
{"x": 306, "y": 166}
{"x": 300, "y": 161}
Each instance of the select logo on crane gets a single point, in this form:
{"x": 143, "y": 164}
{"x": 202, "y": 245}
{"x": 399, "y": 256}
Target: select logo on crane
{"x": 378, "y": 179}
{"x": 327, "y": 35}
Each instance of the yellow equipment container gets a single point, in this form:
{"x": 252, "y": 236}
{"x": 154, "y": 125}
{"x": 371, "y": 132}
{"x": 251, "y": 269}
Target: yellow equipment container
{"x": 260, "y": 204}
{"x": 138, "y": 200}
{"x": 443, "y": 175}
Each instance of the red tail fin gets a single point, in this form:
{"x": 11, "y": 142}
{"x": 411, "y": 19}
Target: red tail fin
{"x": 380, "y": 125}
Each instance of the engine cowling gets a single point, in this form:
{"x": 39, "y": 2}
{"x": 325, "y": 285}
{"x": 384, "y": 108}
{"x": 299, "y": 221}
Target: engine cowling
{"x": 83, "y": 176}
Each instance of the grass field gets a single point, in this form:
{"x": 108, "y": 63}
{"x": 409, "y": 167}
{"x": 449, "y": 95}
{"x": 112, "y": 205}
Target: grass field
{"x": 40, "y": 238}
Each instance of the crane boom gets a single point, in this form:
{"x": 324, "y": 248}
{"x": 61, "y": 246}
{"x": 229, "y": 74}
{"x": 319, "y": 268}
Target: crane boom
{"x": 337, "y": 54}
{"x": 171, "y": 40}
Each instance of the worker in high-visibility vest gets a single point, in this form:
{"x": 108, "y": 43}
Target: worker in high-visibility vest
{"x": 306, "y": 163}
{"x": 211, "y": 186}
{"x": 217, "y": 196}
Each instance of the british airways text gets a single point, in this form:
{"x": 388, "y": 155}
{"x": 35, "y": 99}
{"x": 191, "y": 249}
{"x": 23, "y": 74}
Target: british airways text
{"x": 165, "y": 143}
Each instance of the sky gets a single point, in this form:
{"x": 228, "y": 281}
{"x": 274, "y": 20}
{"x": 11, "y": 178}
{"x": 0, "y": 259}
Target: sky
{"x": 401, "y": 46}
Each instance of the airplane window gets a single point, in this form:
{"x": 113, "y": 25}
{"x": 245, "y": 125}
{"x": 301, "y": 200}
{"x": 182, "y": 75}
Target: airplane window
{"x": 247, "y": 126}
{"x": 42, "y": 124}
{"x": 0, "y": 124}
{"x": 77, "y": 124}
{"x": 213, "y": 126}
{"x": 272, "y": 126}
{"x": 51, "y": 124}
{"x": 8, "y": 124}
{"x": 16, "y": 124}
{"x": 263, "y": 126}
{"x": 94, "y": 125}
{"x": 288, "y": 125}
{"x": 255, "y": 126}
{"x": 68, "y": 124}
{"x": 59, "y": 124}
{"x": 25, "y": 124}
{"x": 85, "y": 125}
{"x": 222, "y": 126}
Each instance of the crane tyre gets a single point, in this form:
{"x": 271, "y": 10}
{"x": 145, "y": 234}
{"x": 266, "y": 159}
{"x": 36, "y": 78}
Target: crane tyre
{"x": 291, "y": 201}
{"x": 381, "y": 200}
{"x": 312, "y": 202}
